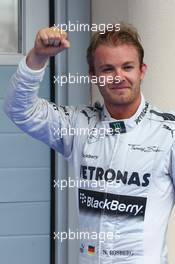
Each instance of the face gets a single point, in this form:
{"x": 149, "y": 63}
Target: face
{"x": 121, "y": 65}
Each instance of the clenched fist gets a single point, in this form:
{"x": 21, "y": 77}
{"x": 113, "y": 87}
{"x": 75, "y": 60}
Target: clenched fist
{"x": 48, "y": 43}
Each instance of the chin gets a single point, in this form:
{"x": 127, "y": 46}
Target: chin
{"x": 120, "y": 100}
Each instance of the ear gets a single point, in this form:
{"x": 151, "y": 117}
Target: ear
{"x": 143, "y": 69}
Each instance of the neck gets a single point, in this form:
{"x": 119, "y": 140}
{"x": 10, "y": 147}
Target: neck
{"x": 123, "y": 111}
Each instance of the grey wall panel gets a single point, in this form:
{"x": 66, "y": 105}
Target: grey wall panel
{"x": 6, "y": 124}
{"x": 7, "y": 71}
{"x": 24, "y": 184}
{"x": 73, "y": 62}
{"x": 45, "y": 85}
{"x": 24, "y": 218}
{"x": 24, "y": 168}
{"x": 78, "y": 92}
{"x": 5, "y": 75}
{"x": 24, "y": 188}
{"x": 20, "y": 151}
{"x": 24, "y": 250}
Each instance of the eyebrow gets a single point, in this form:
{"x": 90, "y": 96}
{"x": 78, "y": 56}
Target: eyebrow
{"x": 111, "y": 65}
{"x": 106, "y": 65}
{"x": 128, "y": 62}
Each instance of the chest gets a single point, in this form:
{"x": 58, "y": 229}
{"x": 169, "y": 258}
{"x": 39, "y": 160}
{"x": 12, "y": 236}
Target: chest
{"x": 126, "y": 162}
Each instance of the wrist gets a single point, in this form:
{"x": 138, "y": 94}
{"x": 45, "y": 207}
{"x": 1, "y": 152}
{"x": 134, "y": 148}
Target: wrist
{"x": 35, "y": 61}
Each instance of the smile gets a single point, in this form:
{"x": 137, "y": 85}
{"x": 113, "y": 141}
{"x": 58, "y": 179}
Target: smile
{"x": 119, "y": 87}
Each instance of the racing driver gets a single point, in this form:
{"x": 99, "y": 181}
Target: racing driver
{"x": 133, "y": 158}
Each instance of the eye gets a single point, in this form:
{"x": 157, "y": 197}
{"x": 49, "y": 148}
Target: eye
{"x": 128, "y": 67}
{"x": 107, "y": 69}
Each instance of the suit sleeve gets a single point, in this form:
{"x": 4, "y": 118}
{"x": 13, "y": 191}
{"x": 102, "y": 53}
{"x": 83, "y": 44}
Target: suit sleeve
{"x": 36, "y": 116}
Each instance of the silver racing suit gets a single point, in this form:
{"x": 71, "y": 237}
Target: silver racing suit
{"x": 125, "y": 170}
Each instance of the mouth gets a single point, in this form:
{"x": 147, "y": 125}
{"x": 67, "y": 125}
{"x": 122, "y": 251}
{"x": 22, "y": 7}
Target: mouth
{"x": 119, "y": 87}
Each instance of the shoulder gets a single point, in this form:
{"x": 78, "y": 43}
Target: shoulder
{"x": 89, "y": 113}
{"x": 162, "y": 115}
{"x": 163, "y": 121}
{"x": 83, "y": 114}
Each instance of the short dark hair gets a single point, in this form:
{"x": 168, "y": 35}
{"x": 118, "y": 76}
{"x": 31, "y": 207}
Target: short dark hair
{"x": 126, "y": 35}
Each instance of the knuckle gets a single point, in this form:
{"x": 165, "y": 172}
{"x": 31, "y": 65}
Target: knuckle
{"x": 43, "y": 30}
{"x": 51, "y": 37}
{"x": 57, "y": 37}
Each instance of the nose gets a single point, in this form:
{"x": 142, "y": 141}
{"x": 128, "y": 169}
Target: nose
{"x": 119, "y": 76}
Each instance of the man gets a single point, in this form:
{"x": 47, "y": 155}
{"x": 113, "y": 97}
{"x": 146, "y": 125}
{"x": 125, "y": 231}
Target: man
{"x": 128, "y": 170}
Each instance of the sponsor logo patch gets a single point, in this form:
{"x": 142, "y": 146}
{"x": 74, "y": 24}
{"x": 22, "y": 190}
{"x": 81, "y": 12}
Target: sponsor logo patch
{"x": 110, "y": 175}
{"x": 91, "y": 250}
{"x": 89, "y": 156}
{"x": 112, "y": 204}
{"x": 144, "y": 148}
{"x": 82, "y": 248}
{"x": 117, "y": 127}
{"x": 142, "y": 114}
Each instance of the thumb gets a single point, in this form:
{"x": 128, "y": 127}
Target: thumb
{"x": 65, "y": 43}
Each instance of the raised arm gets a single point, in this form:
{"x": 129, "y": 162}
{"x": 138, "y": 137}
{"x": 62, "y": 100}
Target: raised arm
{"x": 36, "y": 116}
